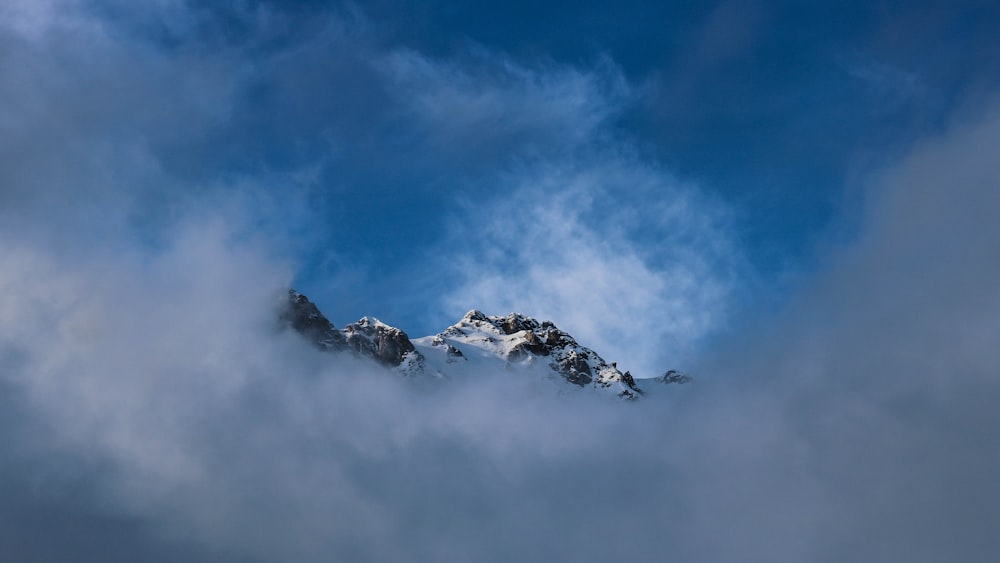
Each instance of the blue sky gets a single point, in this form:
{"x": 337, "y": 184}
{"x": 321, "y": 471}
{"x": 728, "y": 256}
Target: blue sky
{"x": 795, "y": 202}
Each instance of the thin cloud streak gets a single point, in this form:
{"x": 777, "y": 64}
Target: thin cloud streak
{"x": 490, "y": 98}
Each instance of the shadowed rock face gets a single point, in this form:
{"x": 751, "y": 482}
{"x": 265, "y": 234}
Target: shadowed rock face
{"x": 674, "y": 376}
{"x": 516, "y": 323}
{"x": 452, "y": 353}
{"x": 574, "y": 368}
{"x": 371, "y": 338}
{"x": 368, "y": 337}
{"x": 568, "y": 358}
{"x": 303, "y": 316}
{"x": 532, "y": 345}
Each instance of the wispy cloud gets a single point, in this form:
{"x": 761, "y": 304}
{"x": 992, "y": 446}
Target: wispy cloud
{"x": 492, "y": 99}
{"x": 617, "y": 252}
{"x": 573, "y": 225}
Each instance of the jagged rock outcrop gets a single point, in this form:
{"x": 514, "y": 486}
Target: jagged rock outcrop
{"x": 302, "y": 315}
{"x": 674, "y": 376}
{"x": 452, "y": 354}
{"x": 372, "y": 338}
{"x": 367, "y": 338}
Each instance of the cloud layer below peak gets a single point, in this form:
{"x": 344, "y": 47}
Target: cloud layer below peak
{"x": 162, "y": 176}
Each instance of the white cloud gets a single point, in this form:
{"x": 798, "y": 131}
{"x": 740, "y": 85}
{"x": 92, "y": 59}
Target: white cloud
{"x": 466, "y": 104}
{"x": 632, "y": 262}
{"x": 576, "y": 228}
{"x": 862, "y": 428}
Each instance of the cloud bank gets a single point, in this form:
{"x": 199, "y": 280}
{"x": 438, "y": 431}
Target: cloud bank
{"x": 860, "y": 426}
{"x": 151, "y": 408}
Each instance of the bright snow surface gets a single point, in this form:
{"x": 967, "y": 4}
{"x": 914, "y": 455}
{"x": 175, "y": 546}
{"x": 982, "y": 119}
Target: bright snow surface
{"x": 522, "y": 346}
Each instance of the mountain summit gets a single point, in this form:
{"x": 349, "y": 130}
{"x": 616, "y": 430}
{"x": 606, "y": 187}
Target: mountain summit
{"x": 476, "y": 342}
{"x": 519, "y": 342}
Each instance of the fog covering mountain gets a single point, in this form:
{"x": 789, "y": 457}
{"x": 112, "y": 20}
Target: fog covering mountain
{"x": 153, "y": 411}
{"x": 476, "y": 343}
{"x": 163, "y": 165}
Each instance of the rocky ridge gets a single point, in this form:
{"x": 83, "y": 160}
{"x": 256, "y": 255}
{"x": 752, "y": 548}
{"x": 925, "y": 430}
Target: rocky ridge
{"x": 513, "y": 342}
{"x": 522, "y": 342}
{"x": 367, "y": 338}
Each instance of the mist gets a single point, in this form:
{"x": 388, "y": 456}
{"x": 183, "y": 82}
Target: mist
{"x": 153, "y": 408}
{"x": 159, "y": 394}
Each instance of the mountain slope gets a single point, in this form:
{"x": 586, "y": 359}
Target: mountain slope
{"x": 475, "y": 343}
{"x": 522, "y": 343}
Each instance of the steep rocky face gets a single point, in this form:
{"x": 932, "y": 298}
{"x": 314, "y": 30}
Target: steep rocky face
{"x": 302, "y": 315}
{"x": 375, "y": 339}
{"x": 367, "y": 338}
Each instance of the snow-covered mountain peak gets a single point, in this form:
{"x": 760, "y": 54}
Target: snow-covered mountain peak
{"x": 371, "y": 322}
{"x": 474, "y": 315}
{"x": 368, "y": 338}
{"x": 387, "y": 344}
{"x": 520, "y": 341}
{"x": 477, "y": 343}
{"x": 510, "y": 324}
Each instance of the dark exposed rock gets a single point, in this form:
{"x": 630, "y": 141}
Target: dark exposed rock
{"x": 516, "y": 323}
{"x": 303, "y": 316}
{"x": 387, "y": 344}
{"x": 628, "y": 380}
{"x": 574, "y": 368}
{"x": 367, "y": 337}
{"x": 555, "y": 337}
{"x": 475, "y": 315}
{"x": 451, "y": 353}
{"x": 531, "y": 345}
{"x": 453, "y": 331}
{"x": 674, "y": 376}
